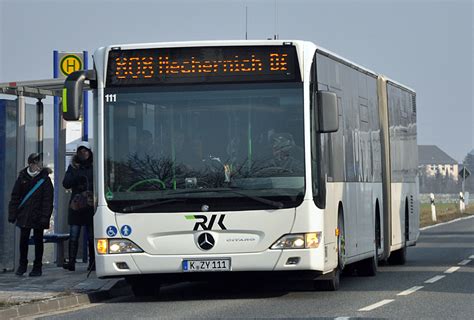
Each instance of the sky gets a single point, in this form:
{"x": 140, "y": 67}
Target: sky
{"x": 426, "y": 45}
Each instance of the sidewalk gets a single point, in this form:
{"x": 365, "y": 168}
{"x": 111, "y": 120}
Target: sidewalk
{"x": 55, "y": 290}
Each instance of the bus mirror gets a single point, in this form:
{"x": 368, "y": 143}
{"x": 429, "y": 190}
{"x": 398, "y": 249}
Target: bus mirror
{"x": 328, "y": 116}
{"x": 72, "y": 93}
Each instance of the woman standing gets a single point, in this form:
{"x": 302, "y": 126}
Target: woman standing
{"x": 31, "y": 206}
{"x": 78, "y": 178}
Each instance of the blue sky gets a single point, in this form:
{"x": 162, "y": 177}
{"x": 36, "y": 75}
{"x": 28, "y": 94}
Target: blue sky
{"x": 427, "y": 45}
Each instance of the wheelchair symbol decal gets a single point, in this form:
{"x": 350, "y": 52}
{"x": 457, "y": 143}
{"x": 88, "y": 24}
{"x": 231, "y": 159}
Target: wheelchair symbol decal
{"x": 111, "y": 231}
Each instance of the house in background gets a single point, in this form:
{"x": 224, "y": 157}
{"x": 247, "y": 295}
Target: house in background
{"x": 433, "y": 161}
{"x": 438, "y": 171}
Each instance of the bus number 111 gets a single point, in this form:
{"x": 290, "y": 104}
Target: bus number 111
{"x": 110, "y": 98}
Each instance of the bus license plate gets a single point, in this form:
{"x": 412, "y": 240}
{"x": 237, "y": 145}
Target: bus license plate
{"x": 197, "y": 265}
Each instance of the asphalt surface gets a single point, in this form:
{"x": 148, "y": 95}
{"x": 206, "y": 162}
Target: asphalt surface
{"x": 397, "y": 292}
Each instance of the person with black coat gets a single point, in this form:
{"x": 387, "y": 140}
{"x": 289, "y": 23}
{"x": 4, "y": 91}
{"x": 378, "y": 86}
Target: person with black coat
{"x": 30, "y": 207}
{"x": 79, "y": 179}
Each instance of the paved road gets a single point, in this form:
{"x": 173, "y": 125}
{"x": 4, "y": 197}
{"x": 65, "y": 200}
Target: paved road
{"x": 396, "y": 292}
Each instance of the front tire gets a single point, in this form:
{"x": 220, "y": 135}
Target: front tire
{"x": 368, "y": 267}
{"x": 333, "y": 283}
{"x": 341, "y": 243}
{"x": 398, "y": 257}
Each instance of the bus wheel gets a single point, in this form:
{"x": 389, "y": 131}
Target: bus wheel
{"x": 341, "y": 243}
{"x": 368, "y": 267}
{"x": 332, "y": 284}
{"x": 398, "y": 257}
{"x": 143, "y": 286}
{"x": 331, "y": 281}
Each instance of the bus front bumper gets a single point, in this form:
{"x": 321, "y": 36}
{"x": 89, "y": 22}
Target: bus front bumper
{"x": 122, "y": 265}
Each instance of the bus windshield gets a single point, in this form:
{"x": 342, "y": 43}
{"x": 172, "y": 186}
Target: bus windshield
{"x": 185, "y": 146}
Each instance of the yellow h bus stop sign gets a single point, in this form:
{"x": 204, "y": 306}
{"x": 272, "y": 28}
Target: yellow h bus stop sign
{"x": 69, "y": 63}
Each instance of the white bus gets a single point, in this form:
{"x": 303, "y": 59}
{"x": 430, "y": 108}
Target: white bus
{"x": 246, "y": 156}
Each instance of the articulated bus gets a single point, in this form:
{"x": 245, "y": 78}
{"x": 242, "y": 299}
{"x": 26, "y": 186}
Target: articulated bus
{"x": 224, "y": 157}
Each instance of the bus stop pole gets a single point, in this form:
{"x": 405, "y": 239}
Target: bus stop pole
{"x": 20, "y": 161}
{"x": 40, "y": 116}
{"x": 60, "y": 201}
{"x": 85, "y": 137}
{"x": 63, "y": 197}
{"x": 85, "y": 128}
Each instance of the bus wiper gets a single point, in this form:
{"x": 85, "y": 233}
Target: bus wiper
{"x": 275, "y": 204}
{"x": 150, "y": 204}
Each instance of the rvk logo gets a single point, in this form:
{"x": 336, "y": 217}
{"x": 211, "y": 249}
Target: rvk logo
{"x": 207, "y": 225}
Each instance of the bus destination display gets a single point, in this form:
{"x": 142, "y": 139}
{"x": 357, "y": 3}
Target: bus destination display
{"x": 138, "y": 67}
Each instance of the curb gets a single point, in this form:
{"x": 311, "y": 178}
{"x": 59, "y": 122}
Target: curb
{"x": 112, "y": 290}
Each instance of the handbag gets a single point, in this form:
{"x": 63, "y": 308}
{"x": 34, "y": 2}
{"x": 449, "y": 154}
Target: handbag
{"x": 82, "y": 200}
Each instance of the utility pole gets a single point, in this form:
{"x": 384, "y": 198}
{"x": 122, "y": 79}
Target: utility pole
{"x": 275, "y": 35}
{"x": 246, "y": 21}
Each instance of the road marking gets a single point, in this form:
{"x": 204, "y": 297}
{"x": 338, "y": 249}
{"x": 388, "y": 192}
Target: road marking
{"x": 409, "y": 291}
{"x": 434, "y": 279}
{"x": 471, "y": 257}
{"x": 452, "y": 269}
{"x": 342, "y": 318}
{"x": 444, "y": 223}
{"x": 464, "y": 262}
{"x": 376, "y": 305}
{"x": 67, "y": 310}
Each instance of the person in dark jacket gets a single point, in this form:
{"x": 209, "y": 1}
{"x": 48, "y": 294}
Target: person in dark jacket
{"x": 30, "y": 207}
{"x": 78, "y": 178}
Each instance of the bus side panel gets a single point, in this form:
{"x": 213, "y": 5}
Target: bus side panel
{"x": 353, "y": 154}
{"x": 403, "y": 165}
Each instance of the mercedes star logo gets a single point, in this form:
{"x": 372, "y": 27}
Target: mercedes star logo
{"x": 206, "y": 241}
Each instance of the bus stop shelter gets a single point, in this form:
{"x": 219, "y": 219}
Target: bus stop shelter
{"x": 21, "y": 133}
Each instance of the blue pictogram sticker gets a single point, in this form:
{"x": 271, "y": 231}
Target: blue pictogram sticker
{"x": 111, "y": 231}
{"x": 126, "y": 230}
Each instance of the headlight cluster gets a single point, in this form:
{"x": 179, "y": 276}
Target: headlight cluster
{"x": 299, "y": 241}
{"x": 113, "y": 246}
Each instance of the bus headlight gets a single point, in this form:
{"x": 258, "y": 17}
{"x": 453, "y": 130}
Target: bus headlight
{"x": 113, "y": 246}
{"x": 298, "y": 241}
{"x": 123, "y": 246}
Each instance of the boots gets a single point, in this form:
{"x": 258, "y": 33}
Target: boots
{"x": 21, "y": 269}
{"x": 38, "y": 263}
{"x": 91, "y": 266}
{"x": 36, "y": 272}
{"x": 71, "y": 264}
